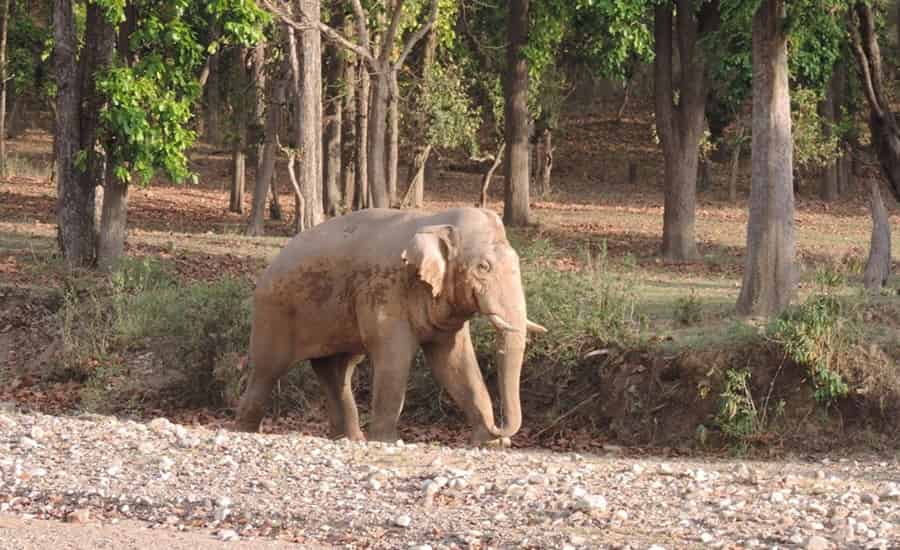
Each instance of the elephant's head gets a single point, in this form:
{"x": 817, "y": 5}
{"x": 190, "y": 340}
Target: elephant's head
{"x": 471, "y": 269}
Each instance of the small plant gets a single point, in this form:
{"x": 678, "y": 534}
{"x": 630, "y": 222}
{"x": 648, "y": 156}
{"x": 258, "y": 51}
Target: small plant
{"x": 829, "y": 277}
{"x": 813, "y": 334}
{"x": 739, "y": 417}
{"x": 688, "y": 310}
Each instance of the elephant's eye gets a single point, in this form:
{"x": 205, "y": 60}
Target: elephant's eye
{"x": 484, "y": 266}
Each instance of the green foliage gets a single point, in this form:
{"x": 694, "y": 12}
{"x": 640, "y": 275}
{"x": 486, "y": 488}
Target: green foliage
{"x": 451, "y": 118}
{"x": 688, "y": 310}
{"x": 197, "y": 332}
{"x": 813, "y": 146}
{"x": 581, "y": 309}
{"x": 739, "y": 417}
{"x": 814, "y": 334}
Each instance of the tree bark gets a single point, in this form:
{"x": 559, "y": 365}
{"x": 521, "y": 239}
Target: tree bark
{"x": 516, "y": 210}
{"x": 114, "y": 222}
{"x": 309, "y": 129}
{"x": 4, "y": 26}
{"x": 878, "y": 266}
{"x": 348, "y": 137}
{"x": 77, "y": 121}
{"x": 276, "y": 88}
{"x": 735, "y": 167}
{"x": 214, "y": 101}
{"x": 882, "y": 124}
{"x": 377, "y": 137}
{"x": 545, "y": 157}
{"x": 331, "y": 136}
{"x": 828, "y": 183}
{"x": 239, "y": 147}
{"x": 415, "y": 182}
{"x": 770, "y": 273}
{"x": 362, "y": 136}
{"x": 428, "y": 53}
{"x": 680, "y": 125}
{"x": 393, "y": 160}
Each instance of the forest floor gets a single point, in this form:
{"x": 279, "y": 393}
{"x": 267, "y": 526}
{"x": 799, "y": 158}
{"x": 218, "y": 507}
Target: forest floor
{"x": 592, "y": 215}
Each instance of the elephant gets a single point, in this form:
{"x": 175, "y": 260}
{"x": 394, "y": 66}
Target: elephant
{"x": 385, "y": 283}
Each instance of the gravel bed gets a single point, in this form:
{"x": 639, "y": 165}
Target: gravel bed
{"x": 318, "y": 493}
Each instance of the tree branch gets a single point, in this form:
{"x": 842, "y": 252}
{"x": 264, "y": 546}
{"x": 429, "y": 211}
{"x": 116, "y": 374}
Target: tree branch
{"x": 330, "y": 33}
{"x": 416, "y": 36}
{"x": 862, "y": 64}
{"x": 391, "y": 32}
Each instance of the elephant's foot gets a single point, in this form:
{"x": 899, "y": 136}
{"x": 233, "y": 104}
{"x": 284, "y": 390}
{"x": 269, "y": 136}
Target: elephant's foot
{"x": 355, "y": 435}
{"x": 496, "y": 443}
{"x": 245, "y": 426}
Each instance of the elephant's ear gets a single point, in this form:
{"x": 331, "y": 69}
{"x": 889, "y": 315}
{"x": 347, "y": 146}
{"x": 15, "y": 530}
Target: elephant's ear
{"x": 430, "y": 249}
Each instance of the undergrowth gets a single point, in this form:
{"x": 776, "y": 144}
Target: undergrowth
{"x": 196, "y": 331}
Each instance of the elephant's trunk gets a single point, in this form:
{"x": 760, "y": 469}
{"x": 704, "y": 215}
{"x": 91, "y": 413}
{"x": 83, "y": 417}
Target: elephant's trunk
{"x": 510, "y": 354}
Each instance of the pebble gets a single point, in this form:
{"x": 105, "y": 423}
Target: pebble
{"x": 869, "y": 498}
{"x": 374, "y": 484}
{"x": 37, "y": 433}
{"x": 82, "y": 515}
{"x": 228, "y": 535}
{"x": 161, "y": 425}
{"x": 706, "y": 538}
{"x": 166, "y": 463}
{"x": 817, "y": 543}
{"x": 403, "y": 520}
{"x": 27, "y": 443}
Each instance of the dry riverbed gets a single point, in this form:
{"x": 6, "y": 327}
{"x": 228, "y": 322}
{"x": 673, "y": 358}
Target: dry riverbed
{"x": 116, "y": 483}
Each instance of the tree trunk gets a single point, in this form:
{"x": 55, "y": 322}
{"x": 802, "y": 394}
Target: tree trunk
{"x": 310, "y": 119}
{"x": 331, "y": 136}
{"x": 545, "y": 157}
{"x": 428, "y": 53}
{"x": 735, "y": 167}
{"x": 276, "y": 89}
{"x": 489, "y": 175}
{"x": 362, "y": 136}
{"x": 410, "y": 198}
{"x": 77, "y": 121}
{"x": 770, "y": 273}
{"x": 113, "y": 224}
{"x": 680, "y": 125}
{"x": 394, "y": 139}
{"x": 214, "y": 101}
{"x": 882, "y": 124}
{"x": 516, "y": 210}
{"x": 381, "y": 90}
{"x": 275, "y": 211}
{"x": 878, "y": 267}
{"x": 828, "y": 184}
{"x": 348, "y": 138}
{"x": 239, "y": 148}
{"x": 4, "y": 26}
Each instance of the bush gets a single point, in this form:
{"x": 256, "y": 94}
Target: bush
{"x": 582, "y": 310}
{"x": 815, "y": 335}
{"x": 199, "y": 332}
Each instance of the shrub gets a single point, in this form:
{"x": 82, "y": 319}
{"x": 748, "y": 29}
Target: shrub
{"x": 739, "y": 417}
{"x": 198, "y": 331}
{"x": 814, "y": 334}
{"x": 688, "y": 310}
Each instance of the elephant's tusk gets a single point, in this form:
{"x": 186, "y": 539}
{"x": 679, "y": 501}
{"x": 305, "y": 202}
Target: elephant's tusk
{"x": 531, "y": 326}
{"x": 500, "y": 323}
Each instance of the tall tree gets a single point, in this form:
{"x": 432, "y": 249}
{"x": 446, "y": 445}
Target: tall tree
{"x": 4, "y": 29}
{"x": 335, "y": 69}
{"x": 882, "y": 123}
{"x": 79, "y": 166}
{"x": 770, "y": 273}
{"x": 680, "y": 121}
{"x": 516, "y": 211}
{"x": 378, "y": 55}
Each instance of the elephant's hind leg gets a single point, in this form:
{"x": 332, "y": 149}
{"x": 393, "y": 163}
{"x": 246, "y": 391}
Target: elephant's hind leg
{"x": 335, "y": 373}
{"x": 271, "y": 355}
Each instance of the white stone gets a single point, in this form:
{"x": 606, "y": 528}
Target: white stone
{"x": 817, "y": 543}
{"x": 706, "y": 538}
{"x": 26, "y": 442}
{"x": 166, "y": 463}
{"x": 228, "y": 535}
{"x": 403, "y": 520}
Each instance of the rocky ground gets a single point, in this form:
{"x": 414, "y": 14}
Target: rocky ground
{"x": 120, "y": 482}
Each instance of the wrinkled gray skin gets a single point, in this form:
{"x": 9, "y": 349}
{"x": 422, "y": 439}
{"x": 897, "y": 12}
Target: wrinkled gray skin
{"x": 383, "y": 283}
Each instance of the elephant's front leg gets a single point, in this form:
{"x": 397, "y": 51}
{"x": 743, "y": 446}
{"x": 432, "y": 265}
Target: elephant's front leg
{"x": 452, "y": 360}
{"x": 391, "y": 351}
